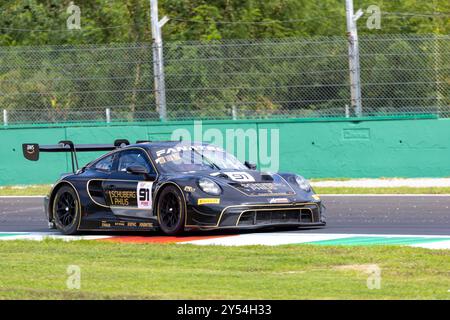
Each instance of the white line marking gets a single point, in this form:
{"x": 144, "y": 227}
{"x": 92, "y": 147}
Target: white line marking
{"x": 39, "y": 236}
{"x": 280, "y": 238}
{"x": 384, "y": 183}
{"x": 379, "y": 235}
{"x": 268, "y": 239}
{"x": 383, "y": 195}
{"x": 18, "y": 232}
{"x": 9, "y": 197}
{"x": 433, "y": 245}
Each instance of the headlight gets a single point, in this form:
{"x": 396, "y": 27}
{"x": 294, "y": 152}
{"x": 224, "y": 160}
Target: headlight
{"x": 209, "y": 186}
{"x": 303, "y": 183}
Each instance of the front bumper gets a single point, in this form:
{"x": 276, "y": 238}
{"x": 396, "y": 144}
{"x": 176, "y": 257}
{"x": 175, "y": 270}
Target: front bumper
{"x": 254, "y": 216}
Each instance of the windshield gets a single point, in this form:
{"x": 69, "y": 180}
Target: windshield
{"x": 196, "y": 158}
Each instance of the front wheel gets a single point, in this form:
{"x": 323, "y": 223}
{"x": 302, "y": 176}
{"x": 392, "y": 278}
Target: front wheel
{"x": 171, "y": 211}
{"x": 66, "y": 210}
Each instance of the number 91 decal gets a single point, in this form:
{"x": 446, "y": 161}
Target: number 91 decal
{"x": 144, "y": 194}
{"x": 240, "y": 176}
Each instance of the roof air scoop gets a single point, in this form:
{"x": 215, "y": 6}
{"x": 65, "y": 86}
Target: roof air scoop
{"x": 265, "y": 176}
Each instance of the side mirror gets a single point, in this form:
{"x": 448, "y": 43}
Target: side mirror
{"x": 249, "y": 165}
{"x": 137, "y": 170}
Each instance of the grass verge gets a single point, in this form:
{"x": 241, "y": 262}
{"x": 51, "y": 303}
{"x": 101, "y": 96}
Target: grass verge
{"x": 38, "y": 270}
{"x": 32, "y": 190}
{"x": 40, "y": 190}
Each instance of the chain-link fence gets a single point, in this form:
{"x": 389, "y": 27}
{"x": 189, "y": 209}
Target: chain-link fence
{"x": 300, "y": 77}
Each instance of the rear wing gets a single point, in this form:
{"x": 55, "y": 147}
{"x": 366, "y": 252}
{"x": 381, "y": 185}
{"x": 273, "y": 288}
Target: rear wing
{"x": 31, "y": 151}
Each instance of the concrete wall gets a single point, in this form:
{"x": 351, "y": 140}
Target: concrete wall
{"x": 368, "y": 148}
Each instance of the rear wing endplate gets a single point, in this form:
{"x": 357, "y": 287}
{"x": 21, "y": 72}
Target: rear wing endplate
{"x": 31, "y": 151}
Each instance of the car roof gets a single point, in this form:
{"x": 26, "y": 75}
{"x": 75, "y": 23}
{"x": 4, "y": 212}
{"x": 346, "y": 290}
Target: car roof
{"x": 165, "y": 144}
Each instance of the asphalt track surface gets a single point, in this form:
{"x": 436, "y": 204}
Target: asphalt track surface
{"x": 412, "y": 215}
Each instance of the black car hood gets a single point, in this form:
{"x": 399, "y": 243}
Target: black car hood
{"x": 254, "y": 183}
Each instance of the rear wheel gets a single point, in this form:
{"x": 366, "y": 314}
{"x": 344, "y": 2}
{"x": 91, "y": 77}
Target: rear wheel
{"x": 171, "y": 211}
{"x": 66, "y": 210}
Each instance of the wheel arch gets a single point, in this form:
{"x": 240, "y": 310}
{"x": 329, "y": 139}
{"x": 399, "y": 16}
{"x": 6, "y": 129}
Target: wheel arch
{"x": 53, "y": 192}
{"x": 158, "y": 193}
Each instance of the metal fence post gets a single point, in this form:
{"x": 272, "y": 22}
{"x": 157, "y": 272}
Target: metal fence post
{"x": 5, "y": 117}
{"x": 233, "y": 112}
{"x": 108, "y": 115}
{"x": 203, "y": 83}
{"x": 158, "y": 61}
{"x": 353, "y": 56}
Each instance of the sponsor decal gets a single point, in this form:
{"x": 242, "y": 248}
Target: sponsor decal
{"x": 240, "y": 176}
{"x": 180, "y": 147}
{"x": 208, "y": 201}
{"x": 189, "y": 189}
{"x": 105, "y": 224}
{"x": 279, "y": 200}
{"x": 171, "y": 157}
{"x": 144, "y": 192}
{"x": 30, "y": 148}
{"x": 145, "y": 224}
{"x": 127, "y": 224}
{"x": 121, "y": 198}
{"x": 173, "y": 154}
{"x": 266, "y": 189}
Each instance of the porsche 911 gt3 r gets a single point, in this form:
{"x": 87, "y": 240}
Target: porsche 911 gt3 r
{"x": 175, "y": 187}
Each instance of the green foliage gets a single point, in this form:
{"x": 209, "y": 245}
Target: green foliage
{"x": 33, "y": 22}
{"x": 259, "y": 79}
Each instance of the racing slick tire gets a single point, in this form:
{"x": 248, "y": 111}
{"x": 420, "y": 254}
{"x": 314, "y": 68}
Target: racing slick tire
{"x": 171, "y": 211}
{"x": 66, "y": 210}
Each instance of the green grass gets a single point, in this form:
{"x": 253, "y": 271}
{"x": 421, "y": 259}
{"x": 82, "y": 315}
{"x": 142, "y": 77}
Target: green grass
{"x": 40, "y": 190}
{"x": 33, "y": 190}
{"x": 38, "y": 270}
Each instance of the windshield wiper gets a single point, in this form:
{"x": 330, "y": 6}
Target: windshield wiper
{"x": 212, "y": 164}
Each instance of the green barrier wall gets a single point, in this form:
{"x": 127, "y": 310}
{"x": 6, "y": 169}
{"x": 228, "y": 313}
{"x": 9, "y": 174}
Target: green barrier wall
{"x": 316, "y": 149}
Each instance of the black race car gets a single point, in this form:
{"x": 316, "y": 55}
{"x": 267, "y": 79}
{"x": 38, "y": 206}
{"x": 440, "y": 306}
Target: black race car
{"x": 172, "y": 186}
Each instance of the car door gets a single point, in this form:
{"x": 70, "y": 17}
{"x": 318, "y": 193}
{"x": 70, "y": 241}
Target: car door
{"x": 96, "y": 174}
{"x": 129, "y": 194}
